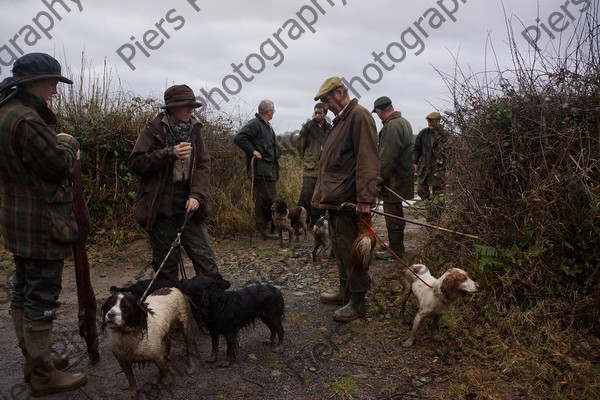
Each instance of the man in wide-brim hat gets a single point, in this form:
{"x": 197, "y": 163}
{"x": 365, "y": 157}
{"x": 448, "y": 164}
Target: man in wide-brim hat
{"x": 173, "y": 164}
{"x": 36, "y": 214}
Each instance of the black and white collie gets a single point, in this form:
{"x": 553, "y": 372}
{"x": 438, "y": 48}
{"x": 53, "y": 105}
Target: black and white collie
{"x": 227, "y": 312}
{"x": 138, "y": 331}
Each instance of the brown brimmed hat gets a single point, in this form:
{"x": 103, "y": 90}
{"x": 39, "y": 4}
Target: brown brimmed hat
{"x": 33, "y": 67}
{"x": 180, "y": 95}
{"x": 329, "y": 86}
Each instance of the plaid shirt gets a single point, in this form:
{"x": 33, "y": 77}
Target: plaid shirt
{"x": 36, "y": 196}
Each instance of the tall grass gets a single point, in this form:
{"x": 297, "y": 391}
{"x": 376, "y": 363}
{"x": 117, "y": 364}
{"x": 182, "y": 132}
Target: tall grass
{"x": 106, "y": 120}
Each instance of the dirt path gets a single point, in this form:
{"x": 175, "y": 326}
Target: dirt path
{"x": 323, "y": 359}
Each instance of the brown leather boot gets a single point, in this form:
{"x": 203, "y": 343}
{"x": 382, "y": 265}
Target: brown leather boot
{"x": 45, "y": 378}
{"x": 355, "y": 308}
{"x": 339, "y": 297}
{"x": 60, "y": 361}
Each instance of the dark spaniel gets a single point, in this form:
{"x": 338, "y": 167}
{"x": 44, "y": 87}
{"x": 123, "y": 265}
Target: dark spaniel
{"x": 225, "y": 312}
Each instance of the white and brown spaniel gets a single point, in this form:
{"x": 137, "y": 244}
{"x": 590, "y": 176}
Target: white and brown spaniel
{"x": 287, "y": 219}
{"x": 434, "y": 301}
{"x": 138, "y": 331}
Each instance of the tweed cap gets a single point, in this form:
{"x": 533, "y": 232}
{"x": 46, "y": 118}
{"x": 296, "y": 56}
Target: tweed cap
{"x": 33, "y": 67}
{"x": 180, "y": 95}
{"x": 329, "y": 86}
{"x": 382, "y": 102}
{"x": 433, "y": 115}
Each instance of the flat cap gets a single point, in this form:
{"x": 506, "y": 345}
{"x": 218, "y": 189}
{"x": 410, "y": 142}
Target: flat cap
{"x": 433, "y": 115}
{"x": 382, "y": 102}
{"x": 329, "y": 86}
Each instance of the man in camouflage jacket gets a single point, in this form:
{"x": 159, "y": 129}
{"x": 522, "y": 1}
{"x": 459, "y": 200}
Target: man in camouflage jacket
{"x": 431, "y": 156}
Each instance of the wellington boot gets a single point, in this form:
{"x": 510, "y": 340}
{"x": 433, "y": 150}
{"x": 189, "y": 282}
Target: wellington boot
{"x": 265, "y": 234}
{"x": 45, "y": 378}
{"x": 355, "y": 308}
{"x": 384, "y": 255}
{"x": 339, "y": 297}
{"x": 60, "y": 361}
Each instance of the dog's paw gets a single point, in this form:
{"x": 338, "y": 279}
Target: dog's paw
{"x": 437, "y": 337}
{"x": 224, "y": 364}
{"x": 279, "y": 349}
{"x": 130, "y": 395}
{"x": 409, "y": 342}
{"x": 211, "y": 359}
{"x": 164, "y": 381}
{"x": 190, "y": 368}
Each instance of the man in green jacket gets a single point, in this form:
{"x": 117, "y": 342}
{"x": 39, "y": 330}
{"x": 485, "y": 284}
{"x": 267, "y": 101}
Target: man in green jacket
{"x": 257, "y": 140}
{"x": 396, "y": 174}
{"x": 431, "y": 157}
{"x": 310, "y": 142}
{"x": 36, "y": 210}
{"x": 347, "y": 173}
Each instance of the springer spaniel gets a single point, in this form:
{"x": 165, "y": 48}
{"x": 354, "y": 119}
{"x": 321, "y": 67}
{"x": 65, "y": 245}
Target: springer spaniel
{"x": 434, "y": 301}
{"x": 226, "y": 312}
{"x": 138, "y": 331}
{"x": 287, "y": 219}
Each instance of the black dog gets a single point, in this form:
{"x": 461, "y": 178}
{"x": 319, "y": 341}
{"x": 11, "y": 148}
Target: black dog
{"x": 137, "y": 289}
{"x": 226, "y": 312}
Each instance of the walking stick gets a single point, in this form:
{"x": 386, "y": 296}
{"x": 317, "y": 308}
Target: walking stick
{"x": 439, "y": 228}
{"x": 410, "y": 206}
{"x": 85, "y": 292}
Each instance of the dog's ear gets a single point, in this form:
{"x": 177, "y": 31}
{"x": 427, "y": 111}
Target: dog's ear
{"x": 106, "y": 306}
{"x": 450, "y": 282}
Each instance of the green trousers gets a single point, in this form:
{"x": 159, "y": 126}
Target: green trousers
{"x": 264, "y": 194}
{"x": 194, "y": 239}
{"x": 36, "y": 287}
{"x": 343, "y": 231}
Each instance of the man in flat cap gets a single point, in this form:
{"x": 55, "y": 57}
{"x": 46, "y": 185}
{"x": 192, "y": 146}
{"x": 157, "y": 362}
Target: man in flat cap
{"x": 431, "y": 157}
{"x": 347, "y": 173}
{"x": 257, "y": 140}
{"x": 396, "y": 174}
{"x": 36, "y": 209}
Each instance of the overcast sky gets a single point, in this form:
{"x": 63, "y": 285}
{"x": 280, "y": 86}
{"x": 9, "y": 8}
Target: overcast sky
{"x": 284, "y": 50}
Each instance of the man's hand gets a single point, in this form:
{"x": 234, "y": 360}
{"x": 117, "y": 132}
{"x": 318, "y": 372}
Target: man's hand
{"x": 363, "y": 208}
{"x": 191, "y": 204}
{"x": 256, "y": 154}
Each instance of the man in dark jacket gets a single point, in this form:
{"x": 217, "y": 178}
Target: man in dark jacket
{"x": 347, "y": 173}
{"x": 173, "y": 164}
{"x": 431, "y": 157}
{"x": 310, "y": 142}
{"x": 396, "y": 174}
{"x": 38, "y": 225}
{"x": 257, "y": 140}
